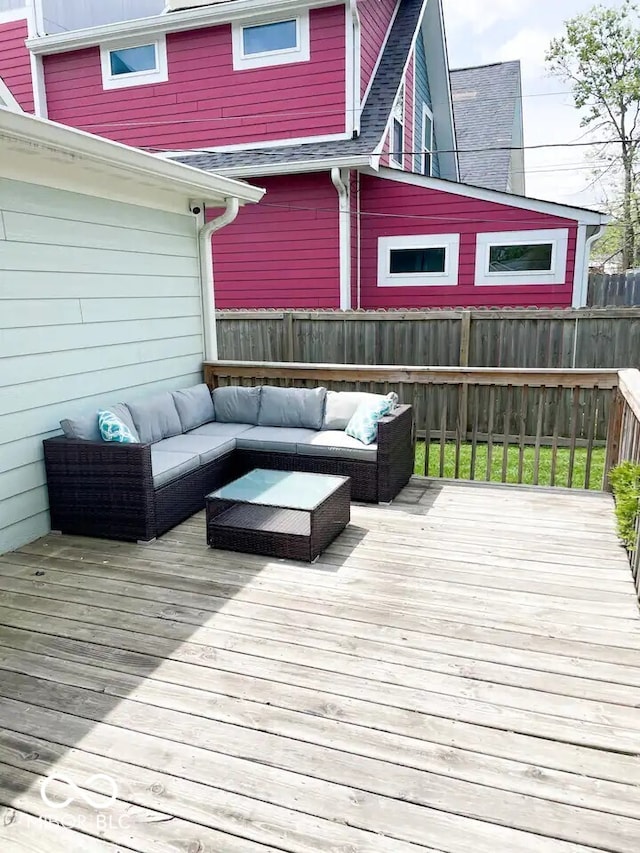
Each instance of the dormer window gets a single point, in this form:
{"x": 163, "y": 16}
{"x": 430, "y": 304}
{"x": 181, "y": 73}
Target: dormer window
{"x": 427, "y": 141}
{"x": 128, "y": 64}
{"x": 262, "y": 43}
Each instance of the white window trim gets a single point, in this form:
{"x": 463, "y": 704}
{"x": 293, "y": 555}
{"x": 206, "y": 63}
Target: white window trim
{"x": 159, "y": 74}
{"x": 301, "y": 53}
{"x": 448, "y": 278}
{"x": 426, "y": 149}
{"x": 398, "y": 115}
{"x": 558, "y": 237}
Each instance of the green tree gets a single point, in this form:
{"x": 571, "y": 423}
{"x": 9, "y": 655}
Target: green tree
{"x": 599, "y": 55}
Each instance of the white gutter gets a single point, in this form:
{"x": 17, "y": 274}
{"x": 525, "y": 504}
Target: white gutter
{"x": 206, "y": 276}
{"x": 190, "y": 19}
{"x": 344, "y": 226}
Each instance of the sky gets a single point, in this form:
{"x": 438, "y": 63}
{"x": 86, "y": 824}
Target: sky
{"x": 483, "y": 31}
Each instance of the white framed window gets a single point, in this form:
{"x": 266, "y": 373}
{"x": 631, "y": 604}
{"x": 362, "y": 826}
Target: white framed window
{"x": 522, "y": 257}
{"x": 427, "y": 141}
{"x": 134, "y": 63}
{"x": 261, "y": 43}
{"x": 418, "y": 260}
{"x": 396, "y": 150}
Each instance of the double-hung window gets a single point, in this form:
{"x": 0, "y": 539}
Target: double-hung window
{"x": 261, "y": 43}
{"x": 418, "y": 261}
{"x": 134, "y": 64}
{"x": 396, "y": 154}
{"x": 427, "y": 141}
{"x": 522, "y": 257}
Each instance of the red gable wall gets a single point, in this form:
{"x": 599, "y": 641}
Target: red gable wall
{"x": 375, "y": 19}
{"x": 205, "y": 102}
{"x": 15, "y": 67}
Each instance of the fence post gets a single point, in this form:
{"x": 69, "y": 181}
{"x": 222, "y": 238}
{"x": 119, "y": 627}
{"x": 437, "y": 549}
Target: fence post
{"x": 465, "y": 342}
{"x": 613, "y": 436}
{"x": 289, "y": 342}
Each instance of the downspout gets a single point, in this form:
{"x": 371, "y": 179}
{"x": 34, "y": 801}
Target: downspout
{"x": 583, "y": 294}
{"x": 344, "y": 231}
{"x": 357, "y": 60}
{"x": 232, "y": 206}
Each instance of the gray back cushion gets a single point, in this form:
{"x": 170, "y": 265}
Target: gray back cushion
{"x": 155, "y": 418}
{"x": 292, "y": 407}
{"x": 195, "y": 406}
{"x": 84, "y": 427}
{"x": 121, "y": 410}
{"x": 341, "y": 406}
{"x": 236, "y": 404}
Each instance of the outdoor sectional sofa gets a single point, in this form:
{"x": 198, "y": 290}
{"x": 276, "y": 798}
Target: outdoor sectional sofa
{"x": 191, "y": 442}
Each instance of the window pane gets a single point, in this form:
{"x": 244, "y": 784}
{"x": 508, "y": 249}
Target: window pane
{"x": 398, "y": 140}
{"x": 132, "y": 59}
{"x": 426, "y": 169}
{"x": 270, "y": 37}
{"x": 524, "y": 258}
{"x": 428, "y": 133}
{"x": 405, "y": 261}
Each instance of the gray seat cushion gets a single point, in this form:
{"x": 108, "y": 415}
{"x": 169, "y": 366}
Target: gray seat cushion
{"x": 236, "y": 404}
{"x": 207, "y": 447}
{"x": 292, "y": 407}
{"x": 341, "y": 406}
{"x": 275, "y": 439}
{"x": 338, "y": 444}
{"x": 194, "y": 406}
{"x": 155, "y": 418}
{"x": 218, "y": 430}
{"x": 166, "y": 467}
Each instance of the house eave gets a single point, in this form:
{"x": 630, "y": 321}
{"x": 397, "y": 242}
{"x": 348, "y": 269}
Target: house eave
{"x": 151, "y": 27}
{"x": 290, "y": 168}
{"x": 78, "y": 152}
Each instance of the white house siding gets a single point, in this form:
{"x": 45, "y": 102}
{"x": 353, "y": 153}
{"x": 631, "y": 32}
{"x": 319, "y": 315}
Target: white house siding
{"x": 99, "y": 302}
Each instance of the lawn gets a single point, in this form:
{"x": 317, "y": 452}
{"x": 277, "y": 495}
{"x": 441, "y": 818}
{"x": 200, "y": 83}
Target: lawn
{"x": 544, "y": 477}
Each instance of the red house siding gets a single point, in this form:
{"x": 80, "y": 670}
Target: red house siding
{"x": 448, "y": 213}
{"x": 15, "y": 67}
{"x": 375, "y": 18}
{"x": 283, "y": 252}
{"x": 205, "y": 102}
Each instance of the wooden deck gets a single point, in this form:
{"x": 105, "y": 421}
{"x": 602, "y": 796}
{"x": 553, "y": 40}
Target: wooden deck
{"x": 459, "y": 672}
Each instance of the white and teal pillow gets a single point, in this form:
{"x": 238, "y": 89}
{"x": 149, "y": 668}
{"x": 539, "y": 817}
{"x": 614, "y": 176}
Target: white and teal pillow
{"x": 364, "y": 422}
{"x": 113, "y": 429}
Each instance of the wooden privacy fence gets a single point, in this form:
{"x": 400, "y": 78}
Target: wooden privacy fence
{"x": 586, "y": 338}
{"x": 477, "y": 423}
{"x": 619, "y": 289}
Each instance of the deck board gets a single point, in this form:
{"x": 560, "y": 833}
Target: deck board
{"x": 459, "y": 671}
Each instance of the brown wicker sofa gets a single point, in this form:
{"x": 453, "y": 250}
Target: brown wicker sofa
{"x": 136, "y": 492}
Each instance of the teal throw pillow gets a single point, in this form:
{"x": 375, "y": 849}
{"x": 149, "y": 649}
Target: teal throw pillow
{"x": 113, "y": 429}
{"x": 364, "y": 422}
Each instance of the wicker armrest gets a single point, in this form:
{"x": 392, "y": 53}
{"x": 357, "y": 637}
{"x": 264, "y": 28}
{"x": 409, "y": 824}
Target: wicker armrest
{"x": 396, "y": 452}
{"x": 96, "y": 487}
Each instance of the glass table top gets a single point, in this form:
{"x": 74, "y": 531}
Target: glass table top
{"x": 287, "y": 489}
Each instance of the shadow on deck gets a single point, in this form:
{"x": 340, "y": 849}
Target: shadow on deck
{"x": 459, "y": 671}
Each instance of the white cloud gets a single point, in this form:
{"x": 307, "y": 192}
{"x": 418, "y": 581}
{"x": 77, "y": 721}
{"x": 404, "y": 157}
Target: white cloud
{"x": 529, "y": 46}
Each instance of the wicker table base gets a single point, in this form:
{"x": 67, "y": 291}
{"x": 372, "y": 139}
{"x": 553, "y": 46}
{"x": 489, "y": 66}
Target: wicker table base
{"x": 290, "y": 532}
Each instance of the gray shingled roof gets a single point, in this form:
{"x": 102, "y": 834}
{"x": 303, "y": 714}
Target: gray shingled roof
{"x": 484, "y": 104}
{"x": 374, "y": 116}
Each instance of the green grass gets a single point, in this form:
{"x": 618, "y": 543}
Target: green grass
{"x": 544, "y": 476}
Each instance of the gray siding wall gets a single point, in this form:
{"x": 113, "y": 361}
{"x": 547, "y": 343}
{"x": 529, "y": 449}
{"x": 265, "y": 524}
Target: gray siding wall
{"x": 99, "y": 302}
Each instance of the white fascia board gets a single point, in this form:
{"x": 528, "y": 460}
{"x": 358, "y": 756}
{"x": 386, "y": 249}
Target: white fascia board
{"x": 7, "y": 98}
{"x": 579, "y": 214}
{"x": 294, "y": 168}
{"x": 60, "y": 140}
{"x": 190, "y": 19}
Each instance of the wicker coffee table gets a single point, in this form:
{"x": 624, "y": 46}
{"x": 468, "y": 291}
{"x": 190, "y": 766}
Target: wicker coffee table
{"x": 279, "y": 513}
